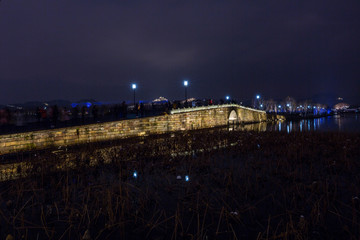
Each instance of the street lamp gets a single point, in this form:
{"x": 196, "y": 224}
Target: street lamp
{"x": 133, "y": 86}
{"x": 186, "y": 83}
{"x": 257, "y": 102}
{"x": 227, "y": 97}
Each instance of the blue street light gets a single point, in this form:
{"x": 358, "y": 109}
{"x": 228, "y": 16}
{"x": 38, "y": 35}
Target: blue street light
{"x": 133, "y": 86}
{"x": 186, "y": 83}
{"x": 257, "y": 102}
{"x": 227, "y": 97}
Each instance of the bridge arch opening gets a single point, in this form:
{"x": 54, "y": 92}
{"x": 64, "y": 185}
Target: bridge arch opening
{"x": 233, "y": 117}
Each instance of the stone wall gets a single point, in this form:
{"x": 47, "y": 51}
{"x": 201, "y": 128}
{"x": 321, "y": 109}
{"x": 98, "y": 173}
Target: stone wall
{"x": 178, "y": 120}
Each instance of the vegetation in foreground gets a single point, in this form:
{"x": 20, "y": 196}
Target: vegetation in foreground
{"x": 210, "y": 184}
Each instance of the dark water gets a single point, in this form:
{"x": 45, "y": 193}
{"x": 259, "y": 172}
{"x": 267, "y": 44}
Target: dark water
{"x": 336, "y": 123}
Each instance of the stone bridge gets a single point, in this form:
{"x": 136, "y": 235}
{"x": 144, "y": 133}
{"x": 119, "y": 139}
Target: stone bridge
{"x": 177, "y": 120}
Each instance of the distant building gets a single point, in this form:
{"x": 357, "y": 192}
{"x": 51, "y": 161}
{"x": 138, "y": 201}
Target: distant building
{"x": 341, "y": 106}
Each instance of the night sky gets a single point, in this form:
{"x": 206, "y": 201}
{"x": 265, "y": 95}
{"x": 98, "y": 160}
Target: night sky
{"x": 95, "y": 49}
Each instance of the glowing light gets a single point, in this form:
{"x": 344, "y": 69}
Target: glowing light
{"x": 187, "y": 178}
{"x": 258, "y": 96}
{"x": 88, "y": 104}
{"x": 288, "y": 105}
{"x": 261, "y": 105}
{"x": 135, "y": 174}
{"x": 133, "y": 86}
{"x": 279, "y": 106}
{"x": 186, "y": 83}
{"x": 227, "y": 97}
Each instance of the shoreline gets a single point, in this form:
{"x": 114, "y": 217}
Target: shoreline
{"x": 267, "y": 185}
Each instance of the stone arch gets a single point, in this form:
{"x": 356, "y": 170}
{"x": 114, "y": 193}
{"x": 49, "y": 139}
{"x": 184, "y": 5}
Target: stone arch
{"x": 233, "y": 117}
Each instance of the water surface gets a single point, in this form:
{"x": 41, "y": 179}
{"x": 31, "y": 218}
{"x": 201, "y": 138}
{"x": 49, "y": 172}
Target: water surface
{"x": 336, "y": 123}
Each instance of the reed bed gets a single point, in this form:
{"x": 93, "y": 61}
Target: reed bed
{"x": 208, "y": 184}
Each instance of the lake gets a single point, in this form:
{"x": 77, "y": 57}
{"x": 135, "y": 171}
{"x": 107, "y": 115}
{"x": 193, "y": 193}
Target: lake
{"x": 335, "y": 123}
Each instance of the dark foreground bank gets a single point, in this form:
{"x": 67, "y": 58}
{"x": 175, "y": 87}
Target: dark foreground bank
{"x": 210, "y": 184}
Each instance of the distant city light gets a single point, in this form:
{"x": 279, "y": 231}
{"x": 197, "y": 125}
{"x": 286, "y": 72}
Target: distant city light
{"x": 261, "y": 105}
{"x": 133, "y": 86}
{"x": 258, "y": 96}
{"x": 186, "y": 83}
{"x": 187, "y": 178}
{"x": 288, "y": 105}
{"x": 227, "y": 97}
{"x": 135, "y": 174}
{"x": 279, "y": 106}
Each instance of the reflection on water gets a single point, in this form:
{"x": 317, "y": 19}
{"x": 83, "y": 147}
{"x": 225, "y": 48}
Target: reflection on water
{"x": 337, "y": 123}
{"x": 258, "y": 127}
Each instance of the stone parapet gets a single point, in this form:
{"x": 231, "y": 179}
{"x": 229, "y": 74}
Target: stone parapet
{"x": 177, "y": 120}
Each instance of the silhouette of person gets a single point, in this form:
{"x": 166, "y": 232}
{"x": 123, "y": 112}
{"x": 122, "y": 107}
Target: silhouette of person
{"x": 55, "y": 115}
{"x": 124, "y": 109}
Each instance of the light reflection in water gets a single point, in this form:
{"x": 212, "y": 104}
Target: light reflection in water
{"x": 350, "y": 123}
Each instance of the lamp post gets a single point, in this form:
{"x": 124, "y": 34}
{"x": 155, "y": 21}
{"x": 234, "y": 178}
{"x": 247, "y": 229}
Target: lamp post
{"x": 258, "y": 100}
{"x": 133, "y": 86}
{"x": 227, "y": 99}
{"x": 186, "y": 83}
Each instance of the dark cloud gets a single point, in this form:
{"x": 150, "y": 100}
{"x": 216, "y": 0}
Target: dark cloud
{"x": 94, "y": 49}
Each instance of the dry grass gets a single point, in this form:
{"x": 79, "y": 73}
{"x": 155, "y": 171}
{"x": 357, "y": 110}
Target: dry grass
{"x": 243, "y": 185}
